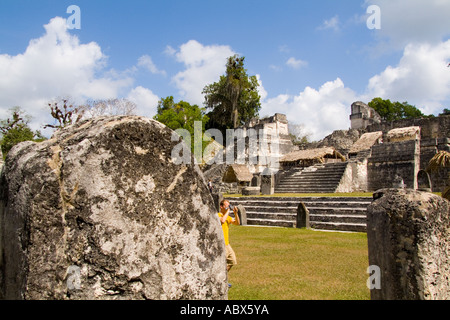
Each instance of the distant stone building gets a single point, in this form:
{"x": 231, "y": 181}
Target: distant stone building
{"x": 362, "y": 116}
{"x": 265, "y": 142}
{"x": 390, "y": 150}
{"x": 434, "y": 136}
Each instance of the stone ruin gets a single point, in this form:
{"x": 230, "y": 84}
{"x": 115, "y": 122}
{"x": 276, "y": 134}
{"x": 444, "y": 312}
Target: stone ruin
{"x": 409, "y": 244}
{"x": 100, "y": 211}
{"x": 375, "y": 151}
{"x": 110, "y": 216}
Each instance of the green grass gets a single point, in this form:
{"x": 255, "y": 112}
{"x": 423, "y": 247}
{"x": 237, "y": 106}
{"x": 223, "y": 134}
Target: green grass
{"x": 298, "y": 264}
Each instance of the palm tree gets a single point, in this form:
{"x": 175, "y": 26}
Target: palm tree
{"x": 441, "y": 160}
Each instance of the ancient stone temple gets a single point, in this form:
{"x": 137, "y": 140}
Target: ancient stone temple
{"x": 101, "y": 211}
{"x": 362, "y": 116}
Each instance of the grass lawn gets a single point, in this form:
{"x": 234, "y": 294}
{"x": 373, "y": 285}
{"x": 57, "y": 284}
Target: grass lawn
{"x": 298, "y": 264}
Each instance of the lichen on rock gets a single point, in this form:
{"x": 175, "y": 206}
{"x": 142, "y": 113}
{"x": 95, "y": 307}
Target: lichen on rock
{"x": 100, "y": 211}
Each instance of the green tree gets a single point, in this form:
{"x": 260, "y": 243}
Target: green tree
{"x": 234, "y": 100}
{"x": 181, "y": 115}
{"x": 15, "y": 130}
{"x": 391, "y": 111}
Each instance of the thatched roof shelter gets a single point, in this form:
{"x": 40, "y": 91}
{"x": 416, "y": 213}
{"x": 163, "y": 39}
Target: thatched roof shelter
{"x": 366, "y": 142}
{"x": 403, "y": 134}
{"x": 312, "y": 156}
{"x": 237, "y": 173}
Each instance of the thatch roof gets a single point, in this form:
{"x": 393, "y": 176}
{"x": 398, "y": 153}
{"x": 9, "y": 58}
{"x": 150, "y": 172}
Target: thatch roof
{"x": 403, "y": 134}
{"x": 366, "y": 141}
{"x": 237, "y": 173}
{"x": 312, "y": 154}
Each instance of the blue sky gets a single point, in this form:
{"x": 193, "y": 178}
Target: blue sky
{"x": 313, "y": 58}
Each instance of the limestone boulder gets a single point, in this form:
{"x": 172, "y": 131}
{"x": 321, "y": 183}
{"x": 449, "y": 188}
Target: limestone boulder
{"x": 102, "y": 211}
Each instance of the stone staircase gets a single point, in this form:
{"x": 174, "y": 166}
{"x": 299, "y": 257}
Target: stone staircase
{"x": 326, "y": 213}
{"x": 324, "y": 178}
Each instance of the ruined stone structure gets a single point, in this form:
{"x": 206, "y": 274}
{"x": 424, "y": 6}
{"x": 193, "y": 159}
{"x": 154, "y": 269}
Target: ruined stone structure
{"x": 376, "y": 155}
{"x": 259, "y": 146}
{"x": 409, "y": 241}
{"x": 399, "y": 156}
{"x": 397, "y": 149}
{"x": 362, "y": 116}
{"x": 100, "y": 211}
{"x": 434, "y": 136}
{"x": 276, "y": 125}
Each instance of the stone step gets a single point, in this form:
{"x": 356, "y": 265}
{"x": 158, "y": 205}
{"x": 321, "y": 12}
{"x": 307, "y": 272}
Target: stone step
{"x": 271, "y": 223}
{"x": 316, "y": 186}
{"x": 349, "y": 227}
{"x": 272, "y": 216}
{"x": 309, "y": 181}
{"x": 335, "y": 218}
{"x": 326, "y": 213}
{"x": 319, "y": 208}
{"x": 317, "y": 179}
{"x": 294, "y": 201}
{"x": 305, "y": 190}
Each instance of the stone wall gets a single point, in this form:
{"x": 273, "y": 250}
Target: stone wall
{"x": 431, "y": 128}
{"x": 390, "y": 160}
{"x": 354, "y": 178}
{"x": 434, "y": 136}
{"x": 101, "y": 211}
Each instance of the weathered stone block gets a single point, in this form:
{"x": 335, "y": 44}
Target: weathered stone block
{"x": 409, "y": 240}
{"x": 101, "y": 211}
{"x": 267, "y": 183}
{"x": 242, "y": 215}
{"x": 251, "y": 191}
{"x": 302, "y": 216}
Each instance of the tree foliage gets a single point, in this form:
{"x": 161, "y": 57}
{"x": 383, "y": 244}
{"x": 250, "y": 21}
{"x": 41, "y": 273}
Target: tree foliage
{"x": 181, "y": 115}
{"x": 234, "y": 100}
{"x": 391, "y": 111}
{"x": 298, "y": 133}
{"x": 15, "y": 130}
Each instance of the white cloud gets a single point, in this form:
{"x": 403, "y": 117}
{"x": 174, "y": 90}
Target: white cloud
{"x": 170, "y": 51}
{"x": 332, "y": 24}
{"x": 204, "y": 65}
{"x": 146, "y": 62}
{"x": 320, "y": 111}
{"x": 145, "y": 100}
{"x": 275, "y": 68}
{"x": 296, "y": 64}
{"x": 55, "y": 65}
{"x": 261, "y": 91}
{"x": 421, "y": 77}
{"x": 412, "y": 21}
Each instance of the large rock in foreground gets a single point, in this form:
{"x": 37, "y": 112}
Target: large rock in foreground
{"x": 101, "y": 211}
{"x": 409, "y": 243}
